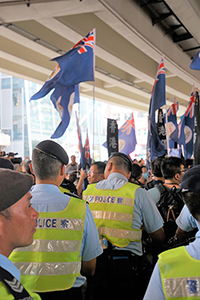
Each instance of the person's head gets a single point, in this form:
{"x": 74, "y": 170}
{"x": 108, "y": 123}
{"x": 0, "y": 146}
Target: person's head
{"x": 17, "y": 216}
{"x": 190, "y": 184}
{"x": 73, "y": 159}
{"x": 156, "y": 167}
{"x": 6, "y": 164}
{"x": 118, "y": 163}
{"x": 136, "y": 174}
{"x": 48, "y": 161}
{"x": 96, "y": 172}
{"x": 172, "y": 169}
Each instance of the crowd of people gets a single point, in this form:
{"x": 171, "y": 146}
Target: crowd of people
{"x": 112, "y": 230}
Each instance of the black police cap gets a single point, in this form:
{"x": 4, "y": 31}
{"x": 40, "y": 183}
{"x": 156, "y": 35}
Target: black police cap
{"x": 13, "y": 186}
{"x": 191, "y": 179}
{"x": 125, "y": 157}
{"x": 53, "y": 150}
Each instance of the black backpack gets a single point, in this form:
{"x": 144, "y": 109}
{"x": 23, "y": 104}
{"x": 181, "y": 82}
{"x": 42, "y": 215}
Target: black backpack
{"x": 169, "y": 206}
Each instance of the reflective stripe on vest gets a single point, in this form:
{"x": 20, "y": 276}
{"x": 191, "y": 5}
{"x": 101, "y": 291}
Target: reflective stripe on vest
{"x": 52, "y": 262}
{"x": 113, "y": 213}
{"x": 180, "y": 274}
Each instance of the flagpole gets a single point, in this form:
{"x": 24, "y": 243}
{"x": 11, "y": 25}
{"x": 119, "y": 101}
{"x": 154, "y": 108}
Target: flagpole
{"x": 94, "y": 91}
{"x": 167, "y": 135}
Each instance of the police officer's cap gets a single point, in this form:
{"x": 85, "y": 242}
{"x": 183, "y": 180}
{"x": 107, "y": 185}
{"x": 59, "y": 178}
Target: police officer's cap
{"x": 53, "y": 150}
{"x": 125, "y": 157}
{"x": 191, "y": 180}
{"x": 13, "y": 186}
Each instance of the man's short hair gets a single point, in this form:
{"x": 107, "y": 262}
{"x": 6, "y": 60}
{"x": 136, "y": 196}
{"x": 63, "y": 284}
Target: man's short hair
{"x": 100, "y": 166}
{"x": 171, "y": 166}
{"x": 44, "y": 166}
{"x": 121, "y": 160}
{"x": 156, "y": 166}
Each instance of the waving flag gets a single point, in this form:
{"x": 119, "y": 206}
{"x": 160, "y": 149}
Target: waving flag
{"x": 75, "y": 66}
{"x": 126, "y": 136}
{"x": 195, "y": 64}
{"x": 155, "y": 147}
{"x": 63, "y": 99}
{"x": 186, "y": 128}
{"x": 87, "y": 149}
{"x": 189, "y": 126}
{"x": 197, "y": 131}
{"x": 171, "y": 124}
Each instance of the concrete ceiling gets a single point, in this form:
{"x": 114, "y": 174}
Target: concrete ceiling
{"x": 128, "y": 47}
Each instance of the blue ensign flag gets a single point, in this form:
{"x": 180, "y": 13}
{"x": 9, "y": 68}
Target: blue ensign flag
{"x": 126, "y": 136}
{"x": 189, "y": 126}
{"x": 75, "y": 66}
{"x": 155, "y": 147}
{"x": 171, "y": 123}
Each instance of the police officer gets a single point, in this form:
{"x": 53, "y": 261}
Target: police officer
{"x": 17, "y": 226}
{"x": 66, "y": 241}
{"x": 176, "y": 274}
{"x": 120, "y": 209}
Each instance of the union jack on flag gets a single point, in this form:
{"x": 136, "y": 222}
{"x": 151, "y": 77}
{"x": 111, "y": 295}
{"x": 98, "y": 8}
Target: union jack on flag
{"x": 128, "y": 125}
{"x": 161, "y": 70}
{"x": 89, "y": 41}
{"x": 191, "y": 105}
{"x": 173, "y": 108}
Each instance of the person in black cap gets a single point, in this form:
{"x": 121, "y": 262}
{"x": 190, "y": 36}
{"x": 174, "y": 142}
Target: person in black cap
{"x": 176, "y": 274}
{"x": 187, "y": 224}
{"x": 66, "y": 242}
{"x": 6, "y": 164}
{"x": 17, "y": 226}
{"x": 120, "y": 210}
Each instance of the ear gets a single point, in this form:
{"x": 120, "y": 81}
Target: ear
{"x": 177, "y": 176}
{"x": 62, "y": 170}
{"x": 109, "y": 166}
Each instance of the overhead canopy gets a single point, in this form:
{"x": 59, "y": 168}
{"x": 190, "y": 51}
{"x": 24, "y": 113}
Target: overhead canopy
{"x": 131, "y": 37}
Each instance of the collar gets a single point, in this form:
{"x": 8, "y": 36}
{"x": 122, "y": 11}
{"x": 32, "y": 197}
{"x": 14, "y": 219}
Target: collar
{"x": 6, "y": 264}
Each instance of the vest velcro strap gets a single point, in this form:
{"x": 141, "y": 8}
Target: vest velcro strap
{"x": 182, "y": 287}
{"x": 134, "y": 235}
{"x": 49, "y": 269}
{"x": 51, "y": 246}
{"x": 110, "y": 215}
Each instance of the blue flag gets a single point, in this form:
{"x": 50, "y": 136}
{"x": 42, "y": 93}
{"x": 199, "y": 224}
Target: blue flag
{"x": 195, "y": 64}
{"x": 75, "y": 66}
{"x": 63, "y": 99}
{"x": 171, "y": 124}
{"x": 126, "y": 136}
{"x": 155, "y": 147}
{"x": 189, "y": 126}
{"x": 186, "y": 128}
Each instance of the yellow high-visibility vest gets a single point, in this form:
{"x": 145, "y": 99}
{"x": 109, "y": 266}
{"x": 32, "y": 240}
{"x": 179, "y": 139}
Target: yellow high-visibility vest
{"x": 180, "y": 274}
{"x": 52, "y": 262}
{"x": 113, "y": 213}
